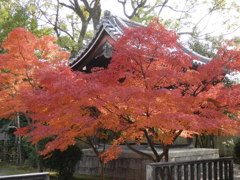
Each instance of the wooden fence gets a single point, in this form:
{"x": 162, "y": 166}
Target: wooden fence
{"x": 208, "y": 169}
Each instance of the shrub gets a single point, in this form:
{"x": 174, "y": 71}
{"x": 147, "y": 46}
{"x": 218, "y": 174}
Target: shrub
{"x": 64, "y": 162}
{"x": 237, "y": 151}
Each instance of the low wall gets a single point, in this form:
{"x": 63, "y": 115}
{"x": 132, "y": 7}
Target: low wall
{"x": 132, "y": 166}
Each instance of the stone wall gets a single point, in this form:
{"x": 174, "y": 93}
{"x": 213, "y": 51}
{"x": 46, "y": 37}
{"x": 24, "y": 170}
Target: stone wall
{"x": 131, "y": 166}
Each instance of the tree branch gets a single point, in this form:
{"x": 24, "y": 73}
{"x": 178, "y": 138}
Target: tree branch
{"x": 139, "y": 152}
{"x": 215, "y": 7}
{"x": 163, "y": 5}
{"x": 175, "y": 10}
{"x": 87, "y": 6}
{"x": 149, "y": 140}
{"x": 56, "y": 20}
{"x": 135, "y": 8}
{"x": 53, "y": 24}
{"x": 79, "y": 12}
{"x": 68, "y": 6}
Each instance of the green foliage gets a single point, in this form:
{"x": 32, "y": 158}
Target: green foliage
{"x": 228, "y": 147}
{"x": 204, "y": 141}
{"x": 64, "y": 162}
{"x": 10, "y": 169}
{"x": 237, "y": 151}
{"x": 9, "y": 145}
{"x": 208, "y": 47}
{"x": 30, "y": 155}
{"x": 13, "y": 15}
{"x": 68, "y": 44}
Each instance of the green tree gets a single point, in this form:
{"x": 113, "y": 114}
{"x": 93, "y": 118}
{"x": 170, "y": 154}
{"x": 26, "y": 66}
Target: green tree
{"x": 70, "y": 20}
{"x": 13, "y": 14}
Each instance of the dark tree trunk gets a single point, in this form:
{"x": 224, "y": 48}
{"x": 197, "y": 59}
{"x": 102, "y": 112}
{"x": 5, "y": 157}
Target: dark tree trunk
{"x": 102, "y": 170}
{"x": 5, "y": 151}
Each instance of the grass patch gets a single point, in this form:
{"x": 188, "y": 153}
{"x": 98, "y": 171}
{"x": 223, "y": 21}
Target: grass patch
{"x": 84, "y": 177}
{"x": 80, "y": 177}
{"x": 9, "y": 169}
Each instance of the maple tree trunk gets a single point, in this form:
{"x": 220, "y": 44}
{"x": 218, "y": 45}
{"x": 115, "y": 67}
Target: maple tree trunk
{"x": 165, "y": 152}
{"x": 18, "y": 141}
{"x": 4, "y": 151}
{"x": 151, "y": 144}
{"x": 102, "y": 170}
{"x": 94, "y": 148}
{"x": 39, "y": 166}
{"x": 157, "y": 157}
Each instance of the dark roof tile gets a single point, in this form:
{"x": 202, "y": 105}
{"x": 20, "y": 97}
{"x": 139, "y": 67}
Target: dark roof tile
{"x": 114, "y": 26}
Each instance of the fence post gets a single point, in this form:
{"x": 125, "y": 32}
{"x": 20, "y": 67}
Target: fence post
{"x": 150, "y": 172}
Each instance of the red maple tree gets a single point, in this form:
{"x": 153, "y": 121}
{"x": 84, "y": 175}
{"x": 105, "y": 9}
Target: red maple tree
{"x": 151, "y": 90}
{"x": 26, "y": 56}
{"x": 36, "y": 82}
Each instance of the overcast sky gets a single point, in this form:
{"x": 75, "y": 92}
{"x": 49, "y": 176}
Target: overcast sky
{"x": 212, "y": 23}
{"x": 113, "y": 6}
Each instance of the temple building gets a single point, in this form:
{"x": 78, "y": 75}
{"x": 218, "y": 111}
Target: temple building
{"x": 99, "y": 51}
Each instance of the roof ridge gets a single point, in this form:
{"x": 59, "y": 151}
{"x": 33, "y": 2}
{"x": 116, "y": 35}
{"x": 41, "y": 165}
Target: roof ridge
{"x": 114, "y": 26}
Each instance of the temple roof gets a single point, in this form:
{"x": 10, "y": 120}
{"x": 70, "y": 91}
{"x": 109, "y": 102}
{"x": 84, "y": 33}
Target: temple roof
{"x": 113, "y": 26}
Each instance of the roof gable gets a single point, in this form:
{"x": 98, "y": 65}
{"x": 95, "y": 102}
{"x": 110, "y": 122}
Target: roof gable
{"x": 109, "y": 30}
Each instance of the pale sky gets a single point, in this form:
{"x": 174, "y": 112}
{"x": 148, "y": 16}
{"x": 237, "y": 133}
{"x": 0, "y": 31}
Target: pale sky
{"x": 208, "y": 25}
{"x": 111, "y": 5}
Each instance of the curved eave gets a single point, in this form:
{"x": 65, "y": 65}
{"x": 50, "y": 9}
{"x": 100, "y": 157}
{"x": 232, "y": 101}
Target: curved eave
{"x": 89, "y": 48}
{"x": 113, "y": 31}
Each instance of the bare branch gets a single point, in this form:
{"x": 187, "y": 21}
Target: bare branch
{"x": 135, "y": 7}
{"x": 215, "y": 7}
{"x": 68, "y": 6}
{"x": 56, "y": 20}
{"x": 163, "y": 5}
{"x": 231, "y": 31}
{"x": 56, "y": 26}
{"x": 124, "y": 7}
{"x": 185, "y": 33}
{"x": 87, "y": 6}
{"x": 71, "y": 2}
